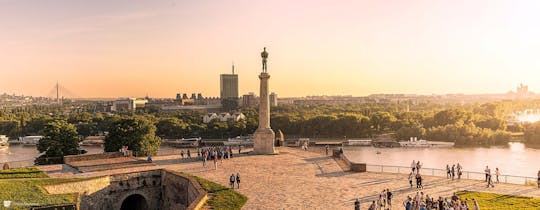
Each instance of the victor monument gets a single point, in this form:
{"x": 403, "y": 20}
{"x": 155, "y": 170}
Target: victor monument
{"x": 264, "y": 137}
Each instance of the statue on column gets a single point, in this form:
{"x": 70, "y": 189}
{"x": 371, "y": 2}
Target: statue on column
{"x": 264, "y": 56}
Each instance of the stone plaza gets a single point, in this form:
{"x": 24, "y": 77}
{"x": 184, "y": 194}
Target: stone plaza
{"x": 297, "y": 179}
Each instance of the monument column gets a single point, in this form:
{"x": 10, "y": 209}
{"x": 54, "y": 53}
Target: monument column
{"x": 264, "y": 136}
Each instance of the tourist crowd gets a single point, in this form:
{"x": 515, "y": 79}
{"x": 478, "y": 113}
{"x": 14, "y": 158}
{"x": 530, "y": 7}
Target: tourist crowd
{"x": 425, "y": 202}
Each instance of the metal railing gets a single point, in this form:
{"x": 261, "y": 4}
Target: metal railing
{"x": 442, "y": 173}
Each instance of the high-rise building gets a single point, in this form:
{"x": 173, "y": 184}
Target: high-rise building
{"x": 228, "y": 84}
{"x": 273, "y": 99}
{"x": 249, "y": 100}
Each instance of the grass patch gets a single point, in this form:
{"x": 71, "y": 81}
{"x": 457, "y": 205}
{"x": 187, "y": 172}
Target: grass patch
{"x": 499, "y": 201}
{"x": 25, "y": 172}
{"x": 29, "y": 191}
{"x": 220, "y": 197}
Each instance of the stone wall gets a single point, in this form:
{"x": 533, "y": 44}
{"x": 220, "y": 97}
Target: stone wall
{"x": 145, "y": 183}
{"x": 88, "y": 186}
{"x": 162, "y": 189}
{"x": 179, "y": 192}
{"x": 106, "y": 155}
{"x": 356, "y": 167}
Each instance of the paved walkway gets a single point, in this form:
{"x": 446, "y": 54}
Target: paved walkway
{"x": 297, "y": 179}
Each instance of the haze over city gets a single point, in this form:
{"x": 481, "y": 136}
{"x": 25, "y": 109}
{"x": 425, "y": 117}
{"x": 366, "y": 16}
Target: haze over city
{"x": 159, "y": 48}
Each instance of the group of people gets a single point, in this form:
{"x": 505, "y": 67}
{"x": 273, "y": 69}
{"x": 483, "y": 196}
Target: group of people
{"x": 415, "y": 174}
{"x": 124, "y": 151}
{"x": 215, "y": 153}
{"x": 384, "y": 201}
{"x": 233, "y": 179}
{"x": 451, "y": 171}
{"x": 489, "y": 179}
{"x": 425, "y": 202}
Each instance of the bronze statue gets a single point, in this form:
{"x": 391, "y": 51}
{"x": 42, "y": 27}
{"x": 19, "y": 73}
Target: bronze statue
{"x": 264, "y": 56}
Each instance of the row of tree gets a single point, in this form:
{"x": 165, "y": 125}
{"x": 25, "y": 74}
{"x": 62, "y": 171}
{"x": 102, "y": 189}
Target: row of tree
{"x": 61, "y": 139}
{"x": 466, "y": 124}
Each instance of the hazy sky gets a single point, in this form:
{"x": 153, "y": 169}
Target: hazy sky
{"x": 137, "y": 47}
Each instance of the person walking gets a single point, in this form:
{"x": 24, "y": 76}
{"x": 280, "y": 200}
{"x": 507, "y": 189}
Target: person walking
{"x": 188, "y": 154}
{"x": 238, "y": 180}
{"x": 357, "y": 204}
{"x": 231, "y": 180}
{"x": 490, "y": 181}
{"x": 418, "y": 166}
{"x": 459, "y": 171}
{"x": 215, "y": 162}
{"x": 475, "y": 205}
{"x": 413, "y": 166}
{"x": 497, "y": 173}
{"x": 372, "y": 206}
{"x": 389, "y": 198}
{"x": 487, "y": 172}
{"x": 410, "y": 178}
{"x": 538, "y": 179}
{"x": 182, "y": 154}
{"x": 326, "y": 149}
{"x": 448, "y": 174}
{"x": 453, "y": 171}
{"x": 408, "y": 203}
{"x": 205, "y": 156}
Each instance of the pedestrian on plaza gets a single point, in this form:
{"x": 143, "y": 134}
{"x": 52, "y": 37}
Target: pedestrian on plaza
{"x": 182, "y": 154}
{"x": 418, "y": 166}
{"x": 413, "y": 166}
{"x": 326, "y": 149}
{"x": 357, "y": 204}
{"x": 239, "y": 149}
{"x": 238, "y": 180}
{"x": 231, "y": 180}
{"x": 490, "y": 181}
{"x": 448, "y": 172}
{"x": 204, "y": 160}
{"x": 538, "y": 179}
{"x": 189, "y": 154}
{"x": 410, "y": 178}
{"x": 459, "y": 171}
{"x": 389, "y": 198}
{"x": 215, "y": 162}
{"x": 453, "y": 171}
{"x": 487, "y": 171}
{"x": 408, "y": 203}
{"x": 475, "y": 205}
{"x": 497, "y": 173}
{"x": 372, "y": 206}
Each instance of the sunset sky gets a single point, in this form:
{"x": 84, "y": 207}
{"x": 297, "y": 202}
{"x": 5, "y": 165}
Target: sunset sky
{"x": 138, "y": 47}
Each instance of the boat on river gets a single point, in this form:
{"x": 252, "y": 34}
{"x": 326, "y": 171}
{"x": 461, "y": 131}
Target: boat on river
{"x": 239, "y": 140}
{"x": 414, "y": 142}
{"x": 189, "y": 142}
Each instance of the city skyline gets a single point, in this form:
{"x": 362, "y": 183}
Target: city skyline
{"x": 103, "y": 49}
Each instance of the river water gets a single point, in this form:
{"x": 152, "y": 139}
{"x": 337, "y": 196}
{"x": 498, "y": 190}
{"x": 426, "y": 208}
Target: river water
{"x": 516, "y": 159}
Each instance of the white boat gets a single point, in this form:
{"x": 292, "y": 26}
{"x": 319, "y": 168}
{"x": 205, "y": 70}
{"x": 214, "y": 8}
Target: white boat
{"x": 93, "y": 141}
{"x": 4, "y": 141}
{"x": 30, "y": 140}
{"x": 359, "y": 142}
{"x": 190, "y": 142}
{"x": 239, "y": 140}
{"x": 414, "y": 142}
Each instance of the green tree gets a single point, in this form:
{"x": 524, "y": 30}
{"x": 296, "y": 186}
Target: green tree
{"x": 138, "y": 133}
{"x": 60, "y": 139}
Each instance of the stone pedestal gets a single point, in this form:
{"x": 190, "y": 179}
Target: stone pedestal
{"x": 264, "y": 137}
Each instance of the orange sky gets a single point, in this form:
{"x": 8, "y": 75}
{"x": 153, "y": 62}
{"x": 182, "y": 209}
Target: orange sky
{"x": 139, "y": 47}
